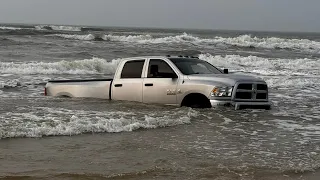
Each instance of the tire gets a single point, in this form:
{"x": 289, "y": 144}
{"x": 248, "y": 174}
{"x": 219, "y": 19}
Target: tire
{"x": 196, "y": 101}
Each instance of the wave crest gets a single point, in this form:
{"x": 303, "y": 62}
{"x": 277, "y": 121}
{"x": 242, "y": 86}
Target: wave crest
{"x": 270, "y": 43}
{"x": 277, "y": 72}
{"x": 57, "y": 28}
{"x": 79, "y": 122}
{"x": 246, "y": 41}
{"x": 87, "y": 66}
{"x": 9, "y": 28}
{"x": 88, "y": 37}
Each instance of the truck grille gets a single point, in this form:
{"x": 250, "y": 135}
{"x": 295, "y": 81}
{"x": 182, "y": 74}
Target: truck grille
{"x": 252, "y": 92}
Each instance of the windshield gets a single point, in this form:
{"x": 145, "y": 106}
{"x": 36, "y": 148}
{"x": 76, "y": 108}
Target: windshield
{"x": 194, "y": 66}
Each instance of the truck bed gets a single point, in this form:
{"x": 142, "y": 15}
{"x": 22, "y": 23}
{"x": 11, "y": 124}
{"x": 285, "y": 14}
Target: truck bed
{"x": 88, "y": 88}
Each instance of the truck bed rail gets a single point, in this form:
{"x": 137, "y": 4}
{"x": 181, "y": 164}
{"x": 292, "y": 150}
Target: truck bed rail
{"x": 78, "y": 80}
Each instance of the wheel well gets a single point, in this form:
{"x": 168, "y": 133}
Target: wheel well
{"x": 64, "y": 95}
{"x": 196, "y": 100}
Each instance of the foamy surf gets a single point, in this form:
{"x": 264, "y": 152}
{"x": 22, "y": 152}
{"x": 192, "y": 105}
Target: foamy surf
{"x": 88, "y": 37}
{"x": 266, "y": 66}
{"x": 9, "y": 28}
{"x": 86, "y": 66}
{"x": 271, "y": 43}
{"x": 64, "y": 122}
{"x": 306, "y": 130}
{"x": 259, "y": 65}
{"x": 44, "y": 27}
{"x": 277, "y": 72}
{"x": 57, "y": 28}
{"x": 246, "y": 41}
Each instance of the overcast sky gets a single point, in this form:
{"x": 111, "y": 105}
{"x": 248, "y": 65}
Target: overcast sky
{"x": 278, "y": 15}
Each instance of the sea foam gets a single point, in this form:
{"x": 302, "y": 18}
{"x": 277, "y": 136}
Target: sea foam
{"x": 246, "y": 41}
{"x": 265, "y": 66}
{"x": 277, "y": 72}
{"x": 88, "y": 37}
{"x": 11, "y": 28}
{"x": 73, "y": 122}
{"x": 86, "y": 66}
{"x": 57, "y": 28}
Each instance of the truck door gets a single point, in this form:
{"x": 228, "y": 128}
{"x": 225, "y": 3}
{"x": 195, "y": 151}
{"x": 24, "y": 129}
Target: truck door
{"x": 127, "y": 84}
{"x": 160, "y": 85}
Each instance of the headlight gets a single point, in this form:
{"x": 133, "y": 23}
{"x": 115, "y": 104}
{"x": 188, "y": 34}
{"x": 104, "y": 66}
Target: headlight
{"x": 222, "y": 91}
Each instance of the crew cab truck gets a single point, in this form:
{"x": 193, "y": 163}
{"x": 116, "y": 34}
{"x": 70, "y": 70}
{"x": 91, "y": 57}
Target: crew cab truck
{"x": 178, "y": 81}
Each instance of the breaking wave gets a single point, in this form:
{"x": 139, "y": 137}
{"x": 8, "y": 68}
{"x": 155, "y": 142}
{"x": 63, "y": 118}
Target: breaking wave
{"x": 74, "y": 122}
{"x": 246, "y": 41}
{"x": 292, "y": 67}
{"x": 277, "y": 72}
{"x": 88, "y": 37}
{"x": 50, "y": 28}
{"x": 57, "y": 28}
{"x": 269, "y": 42}
{"x": 43, "y": 27}
{"x": 9, "y": 28}
{"x": 86, "y": 66}
{"x": 259, "y": 65}
{"x": 92, "y": 37}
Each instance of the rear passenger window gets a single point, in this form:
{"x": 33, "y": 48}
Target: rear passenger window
{"x": 132, "y": 69}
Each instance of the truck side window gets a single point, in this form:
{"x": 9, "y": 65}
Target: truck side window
{"x": 132, "y": 69}
{"x": 159, "y": 69}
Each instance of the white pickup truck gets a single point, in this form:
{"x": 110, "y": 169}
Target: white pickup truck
{"x": 179, "y": 81}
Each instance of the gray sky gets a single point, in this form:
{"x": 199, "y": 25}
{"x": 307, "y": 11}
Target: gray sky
{"x": 278, "y": 15}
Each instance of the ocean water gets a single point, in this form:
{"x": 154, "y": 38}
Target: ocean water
{"x": 63, "y": 138}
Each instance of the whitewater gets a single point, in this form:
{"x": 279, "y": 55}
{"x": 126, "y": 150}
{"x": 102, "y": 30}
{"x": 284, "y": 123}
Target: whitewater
{"x": 245, "y": 40}
{"x": 306, "y": 69}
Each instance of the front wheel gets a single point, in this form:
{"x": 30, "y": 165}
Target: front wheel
{"x": 196, "y": 101}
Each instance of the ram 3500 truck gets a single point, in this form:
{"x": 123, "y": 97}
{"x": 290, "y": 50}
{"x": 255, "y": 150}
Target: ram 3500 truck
{"x": 179, "y": 81}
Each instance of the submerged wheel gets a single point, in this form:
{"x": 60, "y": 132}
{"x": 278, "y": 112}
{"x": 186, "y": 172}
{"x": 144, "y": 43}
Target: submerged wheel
{"x": 196, "y": 101}
{"x": 267, "y": 108}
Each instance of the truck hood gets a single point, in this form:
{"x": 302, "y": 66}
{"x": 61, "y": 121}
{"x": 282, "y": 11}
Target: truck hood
{"x": 224, "y": 79}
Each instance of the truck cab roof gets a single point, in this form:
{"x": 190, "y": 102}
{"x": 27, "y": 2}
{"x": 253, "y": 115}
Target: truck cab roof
{"x": 160, "y": 57}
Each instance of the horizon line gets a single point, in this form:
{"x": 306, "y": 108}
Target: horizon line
{"x": 156, "y": 27}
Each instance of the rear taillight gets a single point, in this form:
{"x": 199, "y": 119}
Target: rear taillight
{"x": 45, "y": 91}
